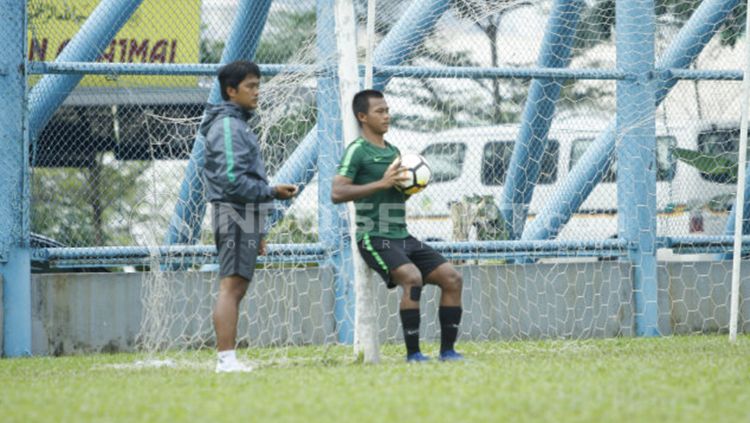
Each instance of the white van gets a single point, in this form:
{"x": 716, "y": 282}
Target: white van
{"x": 473, "y": 162}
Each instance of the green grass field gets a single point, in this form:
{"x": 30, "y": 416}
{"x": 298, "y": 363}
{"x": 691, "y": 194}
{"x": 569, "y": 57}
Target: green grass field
{"x": 701, "y": 378}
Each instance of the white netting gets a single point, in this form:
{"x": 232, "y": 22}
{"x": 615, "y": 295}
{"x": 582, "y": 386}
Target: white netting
{"x": 109, "y": 166}
{"x": 290, "y": 300}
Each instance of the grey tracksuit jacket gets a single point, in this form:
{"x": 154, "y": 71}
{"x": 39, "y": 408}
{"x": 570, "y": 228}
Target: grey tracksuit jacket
{"x": 234, "y": 171}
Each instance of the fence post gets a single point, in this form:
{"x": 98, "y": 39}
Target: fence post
{"x": 15, "y": 255}
{"x": 636, "y": 155}
{"x": 332, "y": 226}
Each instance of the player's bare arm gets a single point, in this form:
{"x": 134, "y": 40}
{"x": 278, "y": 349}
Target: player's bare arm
{"x": 344, "y": 189}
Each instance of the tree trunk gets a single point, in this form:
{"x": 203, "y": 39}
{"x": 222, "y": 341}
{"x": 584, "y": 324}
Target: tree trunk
{"x": 94, "y": 175}
{"x": 698, "y": 102}
{"x": 491, "y": 32}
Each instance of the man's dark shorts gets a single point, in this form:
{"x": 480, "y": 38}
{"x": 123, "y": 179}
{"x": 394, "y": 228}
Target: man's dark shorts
{"x": 384, "y": 255}
{"x": 237, "y": 233}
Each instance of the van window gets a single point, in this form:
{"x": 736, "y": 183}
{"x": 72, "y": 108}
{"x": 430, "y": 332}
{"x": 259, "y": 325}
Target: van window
{"x": 722, "y": 143}
{"x": 665, "y": 162}
{"x": 496, "y": 160}
{"x": 446, "y": 160}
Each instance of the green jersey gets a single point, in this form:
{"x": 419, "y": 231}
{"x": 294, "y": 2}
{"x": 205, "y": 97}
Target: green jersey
{"x": 382, "y": 214}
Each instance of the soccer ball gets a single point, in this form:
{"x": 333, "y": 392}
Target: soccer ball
{"x": 419, "y": 173}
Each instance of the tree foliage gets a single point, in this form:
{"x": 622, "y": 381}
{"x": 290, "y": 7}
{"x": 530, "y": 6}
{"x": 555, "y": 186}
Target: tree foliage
{"x": 598, "y": 21}
{"x": 90, "y": 206}
{"x": 463, "y": 102}
{"x": 283, "y": 38}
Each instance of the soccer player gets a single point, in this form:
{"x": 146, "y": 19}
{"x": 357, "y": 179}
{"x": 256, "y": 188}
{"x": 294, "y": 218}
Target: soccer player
{"x": 368, "y": 175}
{"x": 237, "y": 187}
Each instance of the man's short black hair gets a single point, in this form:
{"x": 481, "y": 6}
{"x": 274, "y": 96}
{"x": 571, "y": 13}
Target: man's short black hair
{"x": 361, "y": 102}
{"x": 230, "y": 75}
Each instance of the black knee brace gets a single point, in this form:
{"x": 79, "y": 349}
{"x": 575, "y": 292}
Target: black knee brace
{"x": 415, "y": 293}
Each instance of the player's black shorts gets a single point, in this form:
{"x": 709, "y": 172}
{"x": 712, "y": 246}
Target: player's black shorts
{"x": 384, "y": 255}
{"x": 237, "y": 233}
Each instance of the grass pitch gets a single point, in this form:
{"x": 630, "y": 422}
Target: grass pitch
{"x": 701, "y": 379}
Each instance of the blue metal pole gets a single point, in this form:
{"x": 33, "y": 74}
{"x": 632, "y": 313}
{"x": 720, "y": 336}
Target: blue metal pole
{"x": 405, "y": 36}
{"x": 584, "y": 176}
{"x": 244, "y": 38}
{"x": 636, "y": 153}
{"x": 453, "y": 72}
{"x": 90, "y": 41}
{"x": 15, "y": 254}
{"x": 332, "y": 226}
{"x": 524, "y": 168}
{"x": 185, "y": 225}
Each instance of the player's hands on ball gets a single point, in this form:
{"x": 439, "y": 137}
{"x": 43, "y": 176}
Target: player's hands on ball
{"x": 285, "y": 191}
{"x": 394, "y": 175}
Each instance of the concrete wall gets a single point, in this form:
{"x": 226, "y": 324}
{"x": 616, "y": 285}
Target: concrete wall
{"x": 85, "y": 312}
{"x": 694, "y": 297}
{"x": 98, "y": 312}
{"x": 81, "y": 313}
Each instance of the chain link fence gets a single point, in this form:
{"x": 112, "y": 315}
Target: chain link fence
{"x": 108, "y": 165}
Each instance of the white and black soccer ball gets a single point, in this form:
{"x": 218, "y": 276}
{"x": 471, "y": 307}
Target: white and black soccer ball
{"x": 418, "y": 171}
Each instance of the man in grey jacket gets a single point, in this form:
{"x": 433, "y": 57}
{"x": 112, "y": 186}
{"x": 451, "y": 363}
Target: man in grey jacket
{"x": 238, "y": 188}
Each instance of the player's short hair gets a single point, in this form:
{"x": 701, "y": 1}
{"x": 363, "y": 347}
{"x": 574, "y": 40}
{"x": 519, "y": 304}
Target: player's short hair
{"x": 361, "y": 102}
{"x": 232, "y": 74}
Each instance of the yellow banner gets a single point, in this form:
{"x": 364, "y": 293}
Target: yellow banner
{"x": 160, "y": 31}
